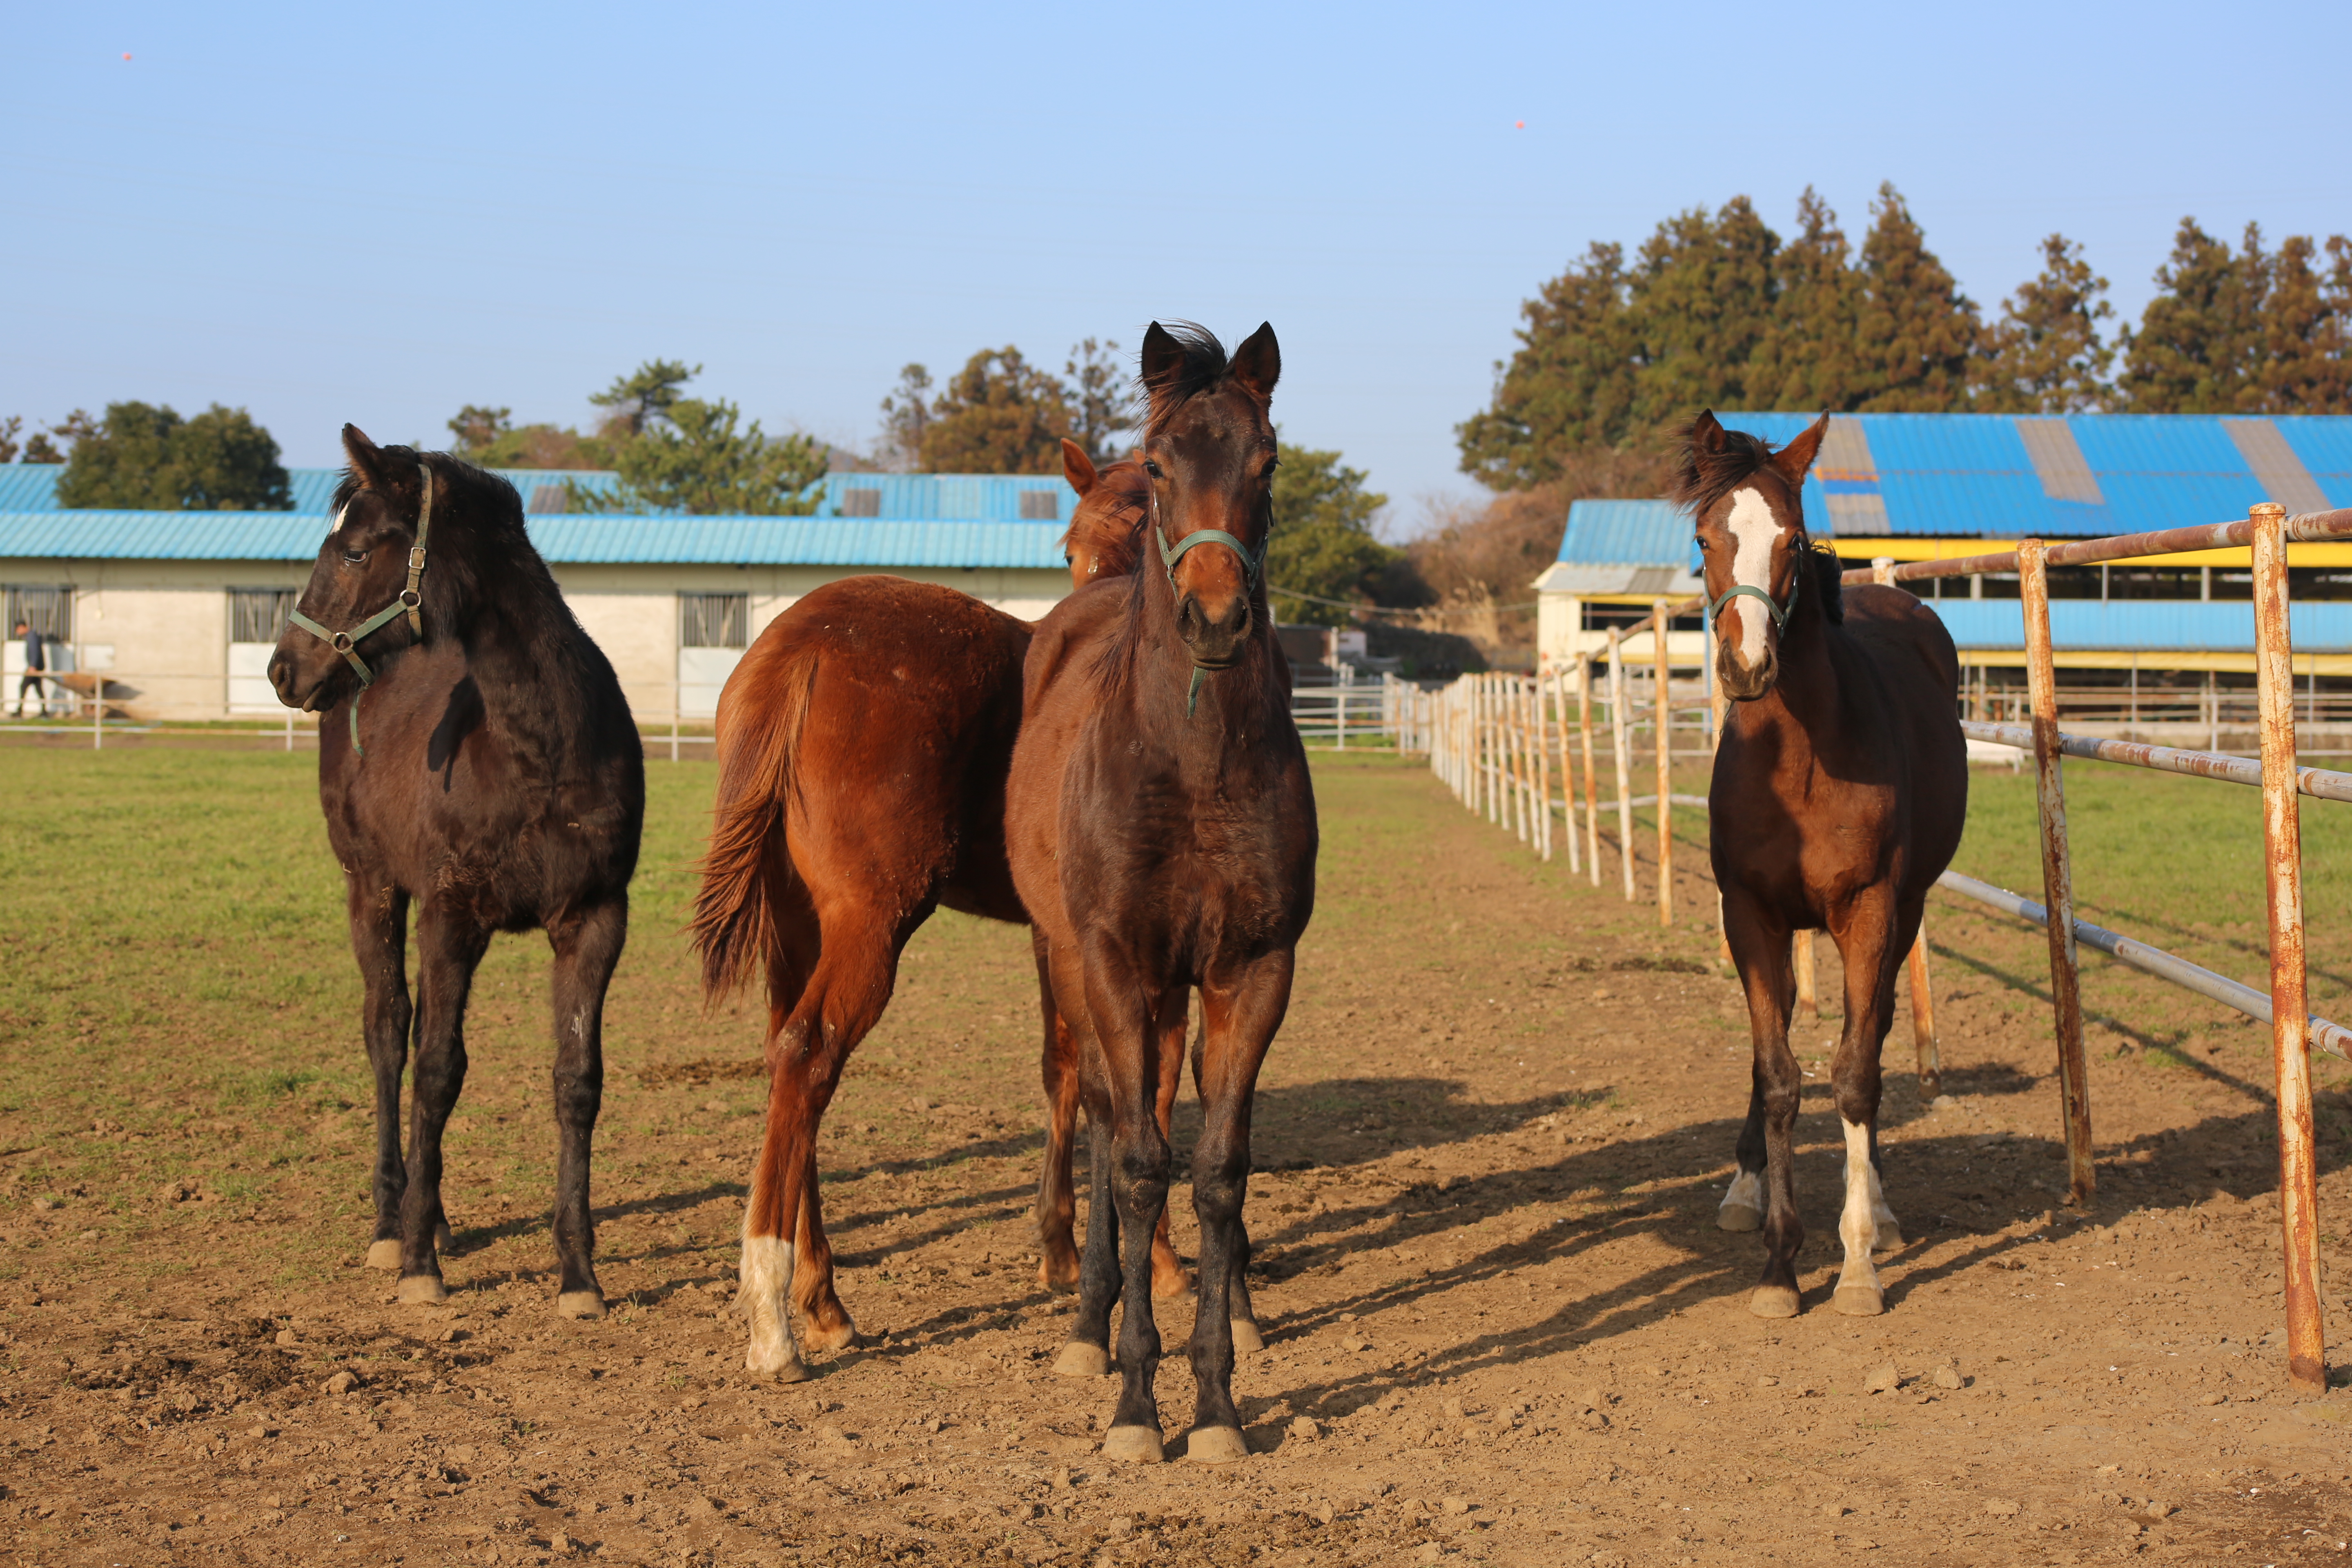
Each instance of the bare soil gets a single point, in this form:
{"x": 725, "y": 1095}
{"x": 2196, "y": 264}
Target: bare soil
{"x": 1501, "y": 1324}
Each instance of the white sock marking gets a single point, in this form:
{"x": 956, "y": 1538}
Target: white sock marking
{"x": 1857, "y": 1225}
{"x": 1754, "y": 532}
{"x": 1746, "y": 1190}
{"x": 767, "y": 1275}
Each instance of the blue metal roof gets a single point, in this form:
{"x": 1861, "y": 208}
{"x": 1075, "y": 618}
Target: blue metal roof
{"x": 2152, "y": 625}
{"x": 1626, "y": 533}
{"x": 1972, "y": 475}
{"x": 620, "y": 539}
{"x": 33, "y": 487}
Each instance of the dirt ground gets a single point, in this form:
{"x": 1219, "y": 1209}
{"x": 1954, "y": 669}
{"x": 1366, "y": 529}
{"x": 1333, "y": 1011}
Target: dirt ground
{"x": 1501, "y": 1325}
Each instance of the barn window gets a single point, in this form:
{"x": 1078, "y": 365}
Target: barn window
{"x": 714, "y": 620}
{"x": 1040, "y": 506}
{"x": 864, "y": 500}
{"x": 47, "y": 610}
{"x": 258, "y": 615}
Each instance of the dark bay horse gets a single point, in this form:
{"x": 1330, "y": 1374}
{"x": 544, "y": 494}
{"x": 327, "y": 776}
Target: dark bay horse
{"x": 477, "y": 758}
{"x": 1839, "y": 791}
{"x": 1163, "y": 838}
{"x": 862, "y": 744}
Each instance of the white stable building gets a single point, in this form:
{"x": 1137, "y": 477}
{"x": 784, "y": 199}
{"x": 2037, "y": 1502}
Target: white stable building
{"x": 181, "y": 608}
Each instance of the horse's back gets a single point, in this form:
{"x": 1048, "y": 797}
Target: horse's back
{"x": 1918, "y": 665}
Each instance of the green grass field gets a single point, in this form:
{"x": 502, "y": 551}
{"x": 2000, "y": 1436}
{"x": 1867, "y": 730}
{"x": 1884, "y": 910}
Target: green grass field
{"x": 176, "y": 985}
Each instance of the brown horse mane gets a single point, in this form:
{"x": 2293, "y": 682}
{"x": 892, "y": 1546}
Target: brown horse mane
{"x": 1114, "y": 528}
{"x": 1202, "y": 368}
{"x": 1701, "y": 478}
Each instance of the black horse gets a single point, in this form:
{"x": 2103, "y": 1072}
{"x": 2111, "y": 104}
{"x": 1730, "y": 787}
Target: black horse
{"x": 476, "y": 756}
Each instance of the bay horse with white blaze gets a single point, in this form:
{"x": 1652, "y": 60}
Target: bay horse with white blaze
{"x": 1841, "y": 787}
{"x": 1163, "y": 836}
{"x": 493, "y": 777}
{"x": 863, "y": 742}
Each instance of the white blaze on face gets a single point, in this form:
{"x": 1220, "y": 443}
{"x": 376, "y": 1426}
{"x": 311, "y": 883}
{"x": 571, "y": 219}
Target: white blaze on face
{"x": 1754, "y": 530}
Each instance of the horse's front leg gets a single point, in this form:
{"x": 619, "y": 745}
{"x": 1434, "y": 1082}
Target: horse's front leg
{"x": 1240, "y": 1018}
{"x": 379, "y": 917}
{"x": 1128, "y": 1044}
{"x": 1759, "y": 946}
{"x": 1872, "y": 941}
{"x": 587, "y": 947}
{"x": 449, "y": 945}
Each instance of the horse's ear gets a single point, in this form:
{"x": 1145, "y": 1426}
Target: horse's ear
{"x": 1795, "y": 460}
{"x": 1257, "y": 364}
{"x": 1704, "y": 433}
{"x": 1076, "y": 467}
{"x": 366, "y": 458}
{"x": 1162, "y": 363}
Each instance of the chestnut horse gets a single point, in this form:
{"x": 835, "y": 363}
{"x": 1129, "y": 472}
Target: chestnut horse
{"x": 1840, "y": 790}
{"x": 1163, "y": 838}
{"x": 862, "y": 744}
{"x": 493, "y": 775}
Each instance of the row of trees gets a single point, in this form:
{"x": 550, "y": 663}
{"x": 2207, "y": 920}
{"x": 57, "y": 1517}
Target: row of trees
{"x": 148, "y": 457}
{"x": 1717, "y": 311}
{"x": 1001, "y": 414}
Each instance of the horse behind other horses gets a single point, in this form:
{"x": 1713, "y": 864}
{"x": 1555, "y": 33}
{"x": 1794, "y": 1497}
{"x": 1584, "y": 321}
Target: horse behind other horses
{"x": 1839, "y": 791}
{"x": 493, "y": 777}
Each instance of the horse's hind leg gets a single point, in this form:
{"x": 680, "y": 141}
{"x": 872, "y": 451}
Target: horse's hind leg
{"x": 1873, "y": 941}
{"x": 1742, "y": 1208}
{"x": 379, "y": 917}
{"x": 1761, "y": 951}
{"x": 1170, "y": 1283}
{"x": 587, "y": 947}
{"x": 448, "y": 947}
{"x": 1087, "y": 1352}
{"x": 821, "y": 1321}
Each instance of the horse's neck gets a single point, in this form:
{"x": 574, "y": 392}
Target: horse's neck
{"x": 1808, "y": 693}
{"x": 1218, "y": 739}
{"x": 524, "y": 664}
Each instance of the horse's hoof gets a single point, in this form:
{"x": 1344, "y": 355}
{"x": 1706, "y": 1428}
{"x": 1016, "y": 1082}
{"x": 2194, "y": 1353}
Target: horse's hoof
{"x": 1738, "y": 1216}
{"x": 791, "y": 1369}
{"x": 1773, "y": 1301}
{"x": 1889, "y": 1238}
{"x": 1135, "y": 1445}
{"x": 1859, "y": 1301}
{"x": 818, "y": 1337}
{"x": 580, "y": 1304}
{"x": 1060, "y": 1277}
{"x": 1214, "y": 1445}
{"x": 383, "y": 1255}
{"x": 1080, "y": 1359}
{"x": 422, "y": 1290}
{"x": 1247, "y": 1341}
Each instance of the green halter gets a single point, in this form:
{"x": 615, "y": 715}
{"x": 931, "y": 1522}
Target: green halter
{"x": 1780, "y": 613}
{"x": 1253, "y": 567}
{"x": 410, "y": 604}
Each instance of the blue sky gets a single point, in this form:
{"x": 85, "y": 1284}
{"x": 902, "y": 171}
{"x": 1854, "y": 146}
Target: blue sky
{"x": 330, "y": 214}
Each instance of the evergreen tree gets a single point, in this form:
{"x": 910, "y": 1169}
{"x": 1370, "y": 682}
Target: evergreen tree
{"x": 2307, "y": 321}
{"x": 2044, "y": 356}
{"x": 2199, "y": 343}
{"x": 643, "y": 396}
{"x": 1917, "y": 332}
{"x": 1701, "y": 296}
{"x": 1322, "y": 544}
{"x": 9, "y": 445}
{"x": 147, "y": 457}
{"x": 998, "y": 415}
{"x": 1806, "y": 360}
{"x": 690, "y": 457}
{"x": 1569, "y": 386}
{"x": 1101, "y": 399}
{"x": 491, "y": 437}
{"x": 906, "y": 415}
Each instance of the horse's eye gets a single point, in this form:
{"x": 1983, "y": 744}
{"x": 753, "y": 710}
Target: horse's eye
{"x": 1069, "y": 561}
{"x": 1153, "y": 469}
{"x": 356, "y": 557}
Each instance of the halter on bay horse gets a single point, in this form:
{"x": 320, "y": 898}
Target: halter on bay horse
{"x": 493, "y": 777}
{"x": 1163, "y": 836}
{"x": 1839, "y": 791}
{"x": 863, "y": 742}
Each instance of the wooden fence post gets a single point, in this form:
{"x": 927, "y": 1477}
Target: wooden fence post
{"x": 1620, "y": 742}
{"x": 1567, "y": 775}
{"x": 2306, "y": 1365}
{"x": 2057, "y": 871}
{"x": 1591, "y": 779}
{"x": 1658, "y": 619}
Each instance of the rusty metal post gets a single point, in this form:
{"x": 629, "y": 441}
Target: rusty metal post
{"x": 1621, "y": 740}
{"x": 1800, "y": 957}
{"x": 2307, "y": 1362}
{"x": 1923, "y": 1019}
{"x": 1658, "y": 619}
{"x": 2057, "y": 871}
{"x": 1592, "y": 777}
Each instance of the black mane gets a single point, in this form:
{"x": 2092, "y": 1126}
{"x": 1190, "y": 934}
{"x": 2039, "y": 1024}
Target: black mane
{"x": 1202, "y": 368}
{"x": 477, "y": 536}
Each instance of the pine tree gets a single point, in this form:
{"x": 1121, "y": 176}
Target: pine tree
{"x": 1917, "y": 332}
{"x": 2045, "y": 355}
{"x": 2304, "y": 366}
{"x": 998, "y": 415}
{"x": 1322, "y": 545}
{"x": 1702, "y": 300}
{"x": 1805, "y": 362}
{"x": 1569, "y": 385}
{"x": 2199, "y": 342}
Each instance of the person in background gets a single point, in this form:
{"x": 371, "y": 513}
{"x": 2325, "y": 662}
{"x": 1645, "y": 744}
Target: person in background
{"x": 34, "y": 667}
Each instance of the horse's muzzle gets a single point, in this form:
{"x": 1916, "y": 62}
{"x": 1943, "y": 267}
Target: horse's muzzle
{"x": 1215, "y": 641}
{"x": 1746, "y": 683}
